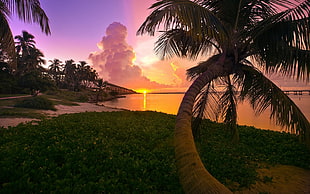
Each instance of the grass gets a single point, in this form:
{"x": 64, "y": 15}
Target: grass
{"x": 130, "y": 152}
{"x": 38, "y": 102}
{"x": 65, "y": 96}
{"x": 8, "y": 107}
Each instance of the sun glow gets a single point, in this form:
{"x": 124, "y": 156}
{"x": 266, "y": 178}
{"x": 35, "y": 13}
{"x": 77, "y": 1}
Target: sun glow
{"x": 134, "y": 58}
{"x": 143, "y": 91}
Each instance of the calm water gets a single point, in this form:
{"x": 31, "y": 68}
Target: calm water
{"x": 169, "y": 103}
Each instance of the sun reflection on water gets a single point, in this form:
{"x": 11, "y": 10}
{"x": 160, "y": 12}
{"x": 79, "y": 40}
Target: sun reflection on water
{"x": 144, "y": 100}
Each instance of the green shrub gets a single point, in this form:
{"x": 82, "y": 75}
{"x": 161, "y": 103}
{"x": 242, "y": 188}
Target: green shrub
{"x": 130, "y": 152}
{"x": 90, "y": 153}
{"x": 37, "y": 102}
{"x": 63, "y": 94}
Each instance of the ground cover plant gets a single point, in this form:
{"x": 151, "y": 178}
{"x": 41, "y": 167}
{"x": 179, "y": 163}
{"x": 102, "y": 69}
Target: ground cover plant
{"x": 69, "y": 96}
{"x": 8, "y": 110}
{"x": 38, "y": 102}
{"x": 130, "y": 152}
{"x": 8, "y": 107}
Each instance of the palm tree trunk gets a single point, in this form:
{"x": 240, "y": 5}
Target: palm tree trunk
{"x": 193, "y": 175}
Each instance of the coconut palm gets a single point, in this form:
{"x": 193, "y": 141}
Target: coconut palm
{"x": 55, "y": 70}
{"x": 28, "y": 11}
{"x": 70, "y": 78}
{"x": 242, "y": 38}
{"x": 29, "y": 58}
{"x": 99, "y": 91}
{"x": 24, "y": 43}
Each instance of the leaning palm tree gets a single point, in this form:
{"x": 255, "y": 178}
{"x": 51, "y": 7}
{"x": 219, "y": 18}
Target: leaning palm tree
{"x": 242, "y": 38}
{"x": 28, "y": 11}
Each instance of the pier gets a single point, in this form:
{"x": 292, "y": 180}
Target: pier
{"x": 296, "y": 92}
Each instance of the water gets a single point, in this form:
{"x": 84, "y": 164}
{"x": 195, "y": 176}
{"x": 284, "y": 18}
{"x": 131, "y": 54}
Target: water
{"x": 169, "y": 103}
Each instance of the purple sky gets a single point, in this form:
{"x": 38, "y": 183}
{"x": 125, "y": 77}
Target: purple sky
{"x": 77, "y": 27}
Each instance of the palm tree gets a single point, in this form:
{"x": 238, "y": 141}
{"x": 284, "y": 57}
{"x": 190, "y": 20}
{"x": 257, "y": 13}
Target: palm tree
{"x": 85, "y": 74}
{"x": 55, "y": 70}
{"x": 99, "y": 91}
{"x": 24, "y": 43}
{"x": 28, "y": 11}
{"x": 29, "y": 57}
{"x": 70, "y": 74}
{"x": 242, "y": 36}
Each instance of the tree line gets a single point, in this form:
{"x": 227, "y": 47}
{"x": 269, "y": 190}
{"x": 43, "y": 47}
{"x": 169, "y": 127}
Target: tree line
{"x": 30, "y": 75}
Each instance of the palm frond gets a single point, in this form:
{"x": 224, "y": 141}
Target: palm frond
{"x": 186, "y": 15}
{"x": 203, "y": 66}
{"x": 263, "y": 93}
{"x": 178, "y": 42}
{"x": 198, "y": 110}
{"x": 206, "y": 106}
{"x": 30, "y": 11}
{"x": 283, "y": 41}
{"x": 6, "y": 38}
{"x": 228, "y": 103}
{"x": 228, "y": 107}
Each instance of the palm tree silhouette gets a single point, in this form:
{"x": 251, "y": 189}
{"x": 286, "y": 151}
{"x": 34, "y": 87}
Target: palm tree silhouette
{"x": 86, "y": 75}
{"x": 241, "y": 37}
{"x": 70, "y": 78}
{"x": 55, "y": 69}
{"x": 28, "y": 11}
{"x": 24, "y": 43}
{"x": 29, "y": 58}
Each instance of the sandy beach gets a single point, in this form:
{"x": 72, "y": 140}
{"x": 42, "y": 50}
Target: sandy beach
{"x": 61, "y": 109}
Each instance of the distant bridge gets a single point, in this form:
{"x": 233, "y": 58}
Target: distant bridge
{"x": 119, "y": 89}
{"x": 296, "y": 92}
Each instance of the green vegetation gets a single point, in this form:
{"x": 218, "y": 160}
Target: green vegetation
{"x": 73, "y": 81}
{"x": 8, "y": 109}
{"x": 130, "y": 152}
{"x": 66, "y": 97}
{"x": 56, "y": 97}
{"x": 38, "y": 102}
{"x": 234, "y": 165}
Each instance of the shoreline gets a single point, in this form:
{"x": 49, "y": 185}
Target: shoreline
{"x": 7, "y": 122}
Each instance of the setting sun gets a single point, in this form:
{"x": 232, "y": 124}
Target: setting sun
{"x": 143, "y": 91}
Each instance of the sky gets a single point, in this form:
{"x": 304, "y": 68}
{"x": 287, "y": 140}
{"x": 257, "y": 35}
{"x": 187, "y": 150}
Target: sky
{"x": 103, "y": 33}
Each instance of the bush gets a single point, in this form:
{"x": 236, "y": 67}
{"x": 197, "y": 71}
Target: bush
{"x": 37, "y": 102}
{"x": 90, "y": 153}
{"x": 130, "y": 152}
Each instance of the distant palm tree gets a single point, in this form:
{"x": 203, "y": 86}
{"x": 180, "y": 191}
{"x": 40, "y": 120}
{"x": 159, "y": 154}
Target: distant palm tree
{"x": 55, "y": 70}
{"x": 99, "y": 92}
{"x": 35, "y": 59}
{"x": 69, "y": 71}
{"x": 24, "y": 43}
{"x": 28, "y": 11}
{"x": 85, "y": 74}
{"x": 29, "y": 58}
{"x": 241, "y": 36}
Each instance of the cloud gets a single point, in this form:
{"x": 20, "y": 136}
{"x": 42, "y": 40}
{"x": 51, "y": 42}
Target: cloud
{"x": 114, "y": 61}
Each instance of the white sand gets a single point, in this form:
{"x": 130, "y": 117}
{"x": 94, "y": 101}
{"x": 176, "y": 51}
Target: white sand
{"x": 61, "y": 109}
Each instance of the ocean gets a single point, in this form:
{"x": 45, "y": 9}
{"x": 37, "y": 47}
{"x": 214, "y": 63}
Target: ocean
{"x": 169, "y": 103}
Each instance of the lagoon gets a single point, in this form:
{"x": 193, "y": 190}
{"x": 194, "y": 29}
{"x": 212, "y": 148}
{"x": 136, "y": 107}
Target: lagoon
{"x": 169, "y": 103}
